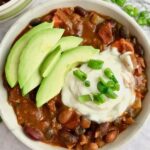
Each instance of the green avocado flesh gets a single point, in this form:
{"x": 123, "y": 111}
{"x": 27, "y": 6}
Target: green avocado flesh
{"x": 39, "y": 46}
{"x": 65, "y": 43}
{"x": 11, "y": 67}
{"x": 36, "y": 78}
{"x": 53, "y": 83}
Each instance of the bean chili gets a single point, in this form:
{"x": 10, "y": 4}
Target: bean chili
{"x": 55, "y": 123}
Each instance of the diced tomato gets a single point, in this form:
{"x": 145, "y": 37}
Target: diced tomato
{"x": 123, "y": 45}
{"x": 105, "y": 32}
{"x": 57, "y": 21}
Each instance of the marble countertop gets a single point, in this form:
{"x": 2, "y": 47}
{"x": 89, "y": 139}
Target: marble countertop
{"x": 140, "y": 142}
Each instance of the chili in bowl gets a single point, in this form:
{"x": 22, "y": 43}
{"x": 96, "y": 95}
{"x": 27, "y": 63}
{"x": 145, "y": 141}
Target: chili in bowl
{"x": 76, "y": 77}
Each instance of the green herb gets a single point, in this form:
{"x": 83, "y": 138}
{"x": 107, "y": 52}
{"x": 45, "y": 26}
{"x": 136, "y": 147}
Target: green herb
{"x": 110, "y": 84}
{"x": 95, "y": 64}
{"x": 142, "y": 21}
{"x": 101, "y": 87}
{"x": 110, "y": 94}
{"x": 116, "y": 87}
{"x": 132, "y": 11}
{"x": 144, "y": 14}
{"x": 99, "y": 98}
{"x": 102, "y": 80}
{"x": 87, "y": 83}
{"x": 148, "y": 21}
{"x": 114, "y": 79}
{"x": 120, "y": 2}
{"x": 84, "y": 98}
{"x": 80, "y": 75}
{"x": 108, "y": 73}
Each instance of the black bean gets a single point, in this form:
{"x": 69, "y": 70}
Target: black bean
{"x": 79, "y": 10}
{"x": 79, "y": 130}
{"x": 33, "y": 133}
{"x": 35, "y": 22}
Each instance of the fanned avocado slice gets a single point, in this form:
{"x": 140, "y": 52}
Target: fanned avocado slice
{"x": 39, "y": 46}
{"x": 65, "y": 43}
{"x": 36, "y": 78}
{"x": 53, "y": 83}
{"x": 11, "y": 67}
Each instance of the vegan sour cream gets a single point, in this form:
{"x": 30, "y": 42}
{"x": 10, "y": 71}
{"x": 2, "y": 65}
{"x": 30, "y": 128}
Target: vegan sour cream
{"x": 122, "y": 67}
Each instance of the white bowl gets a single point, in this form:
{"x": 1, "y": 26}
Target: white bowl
{"x": 12, "y": 8}
{"x": 105, "y": 8}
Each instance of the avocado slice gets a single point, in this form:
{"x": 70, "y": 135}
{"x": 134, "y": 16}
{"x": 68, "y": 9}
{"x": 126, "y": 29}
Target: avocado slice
{"x": 35, "y": 52}
{"x": 65, "y": 43}
{"x": 36, "y": 78}
{"x": 53, "y": 83}
{"x": 11, "y": 67}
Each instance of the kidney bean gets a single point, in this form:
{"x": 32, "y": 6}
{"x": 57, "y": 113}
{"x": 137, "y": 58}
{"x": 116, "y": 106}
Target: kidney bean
{"x": 79, "y": 130}
{"x": 78, "y": 147}
{"x": 67, "y": 138}
{"x": 82, "y": 12}
{"x": 35, "y": 22}
{"x": 33, "y": 133}
{"x": 65, "y": 115}
{"x": 85, "y": 123}
{"x": 103, "y": 128}
{"x": 111, "y": 136}
{"x": 91, "y": 146}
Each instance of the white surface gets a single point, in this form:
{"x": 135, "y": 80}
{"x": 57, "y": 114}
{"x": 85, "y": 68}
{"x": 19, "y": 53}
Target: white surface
{"x": 8, "y": 141}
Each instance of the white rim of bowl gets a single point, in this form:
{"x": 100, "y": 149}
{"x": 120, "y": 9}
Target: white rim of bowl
{"x": 8, "y": 4}
{"x": 53, "y": 2}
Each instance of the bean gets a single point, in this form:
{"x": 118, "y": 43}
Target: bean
{"x": 111, "y": 136}
{"x": 33, "y": 133}
{"x": 100, "y": 142}
{"x": 85, "y": 123}
{"x": 49, "y": 134}
{"x": 67, "y": 138}
{"x": 83, "y": 140}
{"x": 35, "y": 22}
{"x": 139, "y": 49}
{"x": 65, "y": 116}
{"x": 79, "y": 130}
{"x": 124, "y": 33}
{"x": 104, "y": 127}
{"x": 78, "y": 147}
{"x": 79, "y": 10}
{"x": 91, "y": 146}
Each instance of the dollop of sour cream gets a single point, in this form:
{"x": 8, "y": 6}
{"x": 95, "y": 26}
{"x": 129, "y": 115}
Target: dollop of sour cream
{"x": 122, "y": 67}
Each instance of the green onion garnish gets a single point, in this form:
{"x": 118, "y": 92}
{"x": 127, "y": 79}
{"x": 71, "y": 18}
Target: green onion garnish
{"x": 116, "y": 87}
{"x": 99, "y": 98}
{"x": 87, "y": 83}
{"x": 144, "y": 14}
{"x": 101, "y": 87}
{"x": 120, "y": 2}
{"x": 108, "y": 73}
{"x": 84, "y": 98}
{"x": 132, "y": 11}
{"x": 102, "y": 80}
{"x": 80, "y": 75}
{"x": 148, "y": 21}
{"x": 95, "y": 64}
{"x": 110, "y": 94}
{"x": 114, "y": 79}
{"x": 110, "y": 84}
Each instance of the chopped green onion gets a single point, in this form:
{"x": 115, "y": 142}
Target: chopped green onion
{"x": 116, "y": 87}
{"x": 144, "y": 14}
{"x": 99, "y": 98}
{"x": 102, "y": 80}
{"x": 132, "y": 11}
{"x": 108, "y": 73}
{"x": 84, "y": 98}
{"x": 148, "y": 21}
{"x": 142, "y": 21}
{"x": 95, "y": 64}
{"x": 101, "y": 87}
{"x": 110, "y": 84}
{"x": 110, "y": 93}
{"x": 80, "y": 75}
{"x": 87, "y": 83}
{"x": 120, "y": 2}
{"x": 114, "y": 79}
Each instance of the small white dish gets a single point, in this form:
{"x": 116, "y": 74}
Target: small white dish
{"x": 105, "y": 8}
